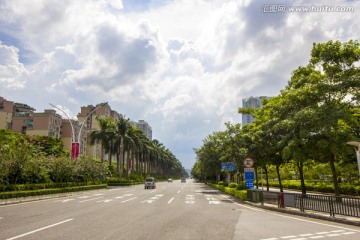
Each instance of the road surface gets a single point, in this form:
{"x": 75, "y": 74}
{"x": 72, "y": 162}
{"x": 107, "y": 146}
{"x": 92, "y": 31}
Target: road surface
{"x": 171, "y": 211}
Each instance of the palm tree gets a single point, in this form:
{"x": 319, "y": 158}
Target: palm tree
{"x": 102, "y": 134}
{"x": 121, "y": 129}
{"x": 135, "y": 146}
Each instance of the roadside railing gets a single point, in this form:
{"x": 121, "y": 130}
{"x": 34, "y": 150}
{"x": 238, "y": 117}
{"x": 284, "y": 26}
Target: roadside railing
{"x": 346, "y": 206}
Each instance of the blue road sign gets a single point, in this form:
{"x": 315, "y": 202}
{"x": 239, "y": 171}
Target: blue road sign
{"x": 228, "y": 166}
{"x": 249, "y": 175}
{"x": 249, "y": 184}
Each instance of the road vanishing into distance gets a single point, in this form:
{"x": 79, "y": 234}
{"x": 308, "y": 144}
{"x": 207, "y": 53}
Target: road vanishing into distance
{"x": 171, "y": 211}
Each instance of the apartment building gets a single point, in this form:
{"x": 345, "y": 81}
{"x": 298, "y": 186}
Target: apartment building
{"x": 254, "y": 102}
{"x": 22, "y": 118}
{"x": 88, "y": 116}
{"x": 6, "y": 113}
{"x": 145, "y": 127}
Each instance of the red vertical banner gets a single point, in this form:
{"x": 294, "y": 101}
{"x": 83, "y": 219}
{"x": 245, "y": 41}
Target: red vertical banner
{"x": 75, "y": 148}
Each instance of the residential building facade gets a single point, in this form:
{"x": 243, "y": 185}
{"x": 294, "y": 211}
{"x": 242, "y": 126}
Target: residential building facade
{"x": 145, "y": 127}
{"x": 88, "y": 116}
{"x": 21, "y": 118}
{"x": 254, "y": 102}
{"x": 6, "y": 113}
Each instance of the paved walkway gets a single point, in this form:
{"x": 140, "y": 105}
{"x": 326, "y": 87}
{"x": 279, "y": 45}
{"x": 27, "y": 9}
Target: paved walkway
{"x": 307, "y": 213}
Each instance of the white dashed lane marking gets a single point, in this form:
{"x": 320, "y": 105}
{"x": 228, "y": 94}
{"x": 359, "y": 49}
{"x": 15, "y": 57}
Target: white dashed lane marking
{"x": 129, "y": 200}
{"x": 170, "y": 200}
{"x": 153, "y": 198}
{"x": 212, "y": 200}
{"x": 318, "y": 235}
{"x": 91, "y": 199}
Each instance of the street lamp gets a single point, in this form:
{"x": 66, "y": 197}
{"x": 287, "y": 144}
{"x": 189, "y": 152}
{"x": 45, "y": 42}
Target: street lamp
{"x": 357, "y": 150}
{"x": 75, "y": 146}
{"x": 82, "y": 124}
{"x": 72, "y": 127}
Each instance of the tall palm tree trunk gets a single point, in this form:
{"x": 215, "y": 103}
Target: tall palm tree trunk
{"x": 121, "y": 156}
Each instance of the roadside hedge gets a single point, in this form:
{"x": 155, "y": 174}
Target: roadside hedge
{"x": 29, "y": 193}
{"x": 319, "y": 186}
{"x": 233, "y": 191}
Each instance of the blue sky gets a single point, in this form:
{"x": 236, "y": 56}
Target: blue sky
{"x": 181, "y": 65}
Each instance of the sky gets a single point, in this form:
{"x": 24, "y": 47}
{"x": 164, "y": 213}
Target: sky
{"x": 183, "y": 66}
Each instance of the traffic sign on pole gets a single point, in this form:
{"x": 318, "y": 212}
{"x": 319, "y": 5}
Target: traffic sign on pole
{"x": 248, "y": 162}
{"x": 249, "y": 174}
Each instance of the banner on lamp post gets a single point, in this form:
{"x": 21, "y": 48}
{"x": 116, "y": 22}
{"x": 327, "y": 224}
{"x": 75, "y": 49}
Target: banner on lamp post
{"x": 75, "y": 149}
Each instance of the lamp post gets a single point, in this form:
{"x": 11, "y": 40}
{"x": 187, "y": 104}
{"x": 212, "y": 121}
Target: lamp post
{"x": 75, "y": 146}
{"x": 357, "y": 150}
{"x": 72, "y": 147}
{"x": 82, "y": 124}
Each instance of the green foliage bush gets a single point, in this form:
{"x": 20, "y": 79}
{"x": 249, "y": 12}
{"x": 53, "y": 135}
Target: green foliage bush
{"x": 319, "y": 186}
{"x": 30, "y": 164}
{"x": 233, "y": 185}
{"x": 19, "y": 194}
{"x": 241, "y": 194}
{"x": 241, "y": 186}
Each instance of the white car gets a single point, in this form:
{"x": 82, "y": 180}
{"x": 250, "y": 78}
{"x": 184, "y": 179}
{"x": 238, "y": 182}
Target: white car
{"x": 150, "y": 182}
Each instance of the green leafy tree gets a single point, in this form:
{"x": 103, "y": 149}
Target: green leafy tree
{"x": 121, "y": 133}
{"x": 103, "y": 134}
{"x": 326, "y": 90}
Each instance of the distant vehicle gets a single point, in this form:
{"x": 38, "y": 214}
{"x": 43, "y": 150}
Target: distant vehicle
{"x": 169, "y": 180}
{"x": 150, "y": 182}
{"x": 183, "y": 180}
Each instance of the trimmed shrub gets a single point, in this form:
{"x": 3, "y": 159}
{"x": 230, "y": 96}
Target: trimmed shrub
{"x": 233, "y": 185}
{"x": 19, "y": 194}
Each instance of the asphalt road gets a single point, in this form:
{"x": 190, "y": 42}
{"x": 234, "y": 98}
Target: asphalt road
{"x": 171, "y": 211}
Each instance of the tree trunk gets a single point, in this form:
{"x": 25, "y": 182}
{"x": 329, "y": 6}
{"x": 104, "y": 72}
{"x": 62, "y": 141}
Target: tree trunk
{"x": 102, "y": 153}
{"x": 110, "y": 157}
{"x": 267, "y": 178}
{"x": 257, "y": 178}
{"x": 279, "y": 179}
{"x": 126, "y": 164}
{"x": 300, "y": 166}
{"x": 118, "y": 162}
{"x": 335, "y": 176}
{"x": 121, "y": 155}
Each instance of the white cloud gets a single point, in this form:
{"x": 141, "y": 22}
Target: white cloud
{"x": 12, "y": 72}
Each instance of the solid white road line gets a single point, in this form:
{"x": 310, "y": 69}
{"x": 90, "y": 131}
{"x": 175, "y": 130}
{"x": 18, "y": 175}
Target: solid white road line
{"x": 40, "y": 229}
{"x": 171, "y": 200}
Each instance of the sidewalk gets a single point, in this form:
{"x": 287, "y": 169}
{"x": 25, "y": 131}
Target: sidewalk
{"x": 355, "y": 221}
{"x": 311, "y": 214}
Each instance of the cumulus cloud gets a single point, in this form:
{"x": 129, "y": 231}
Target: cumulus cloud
{"x": 12, "y": 72}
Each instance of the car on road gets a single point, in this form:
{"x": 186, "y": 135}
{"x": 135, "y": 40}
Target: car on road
{"x": 183, "y": 180}
{"x": 150, "y": 182}
{"x": 169, "y": 180}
